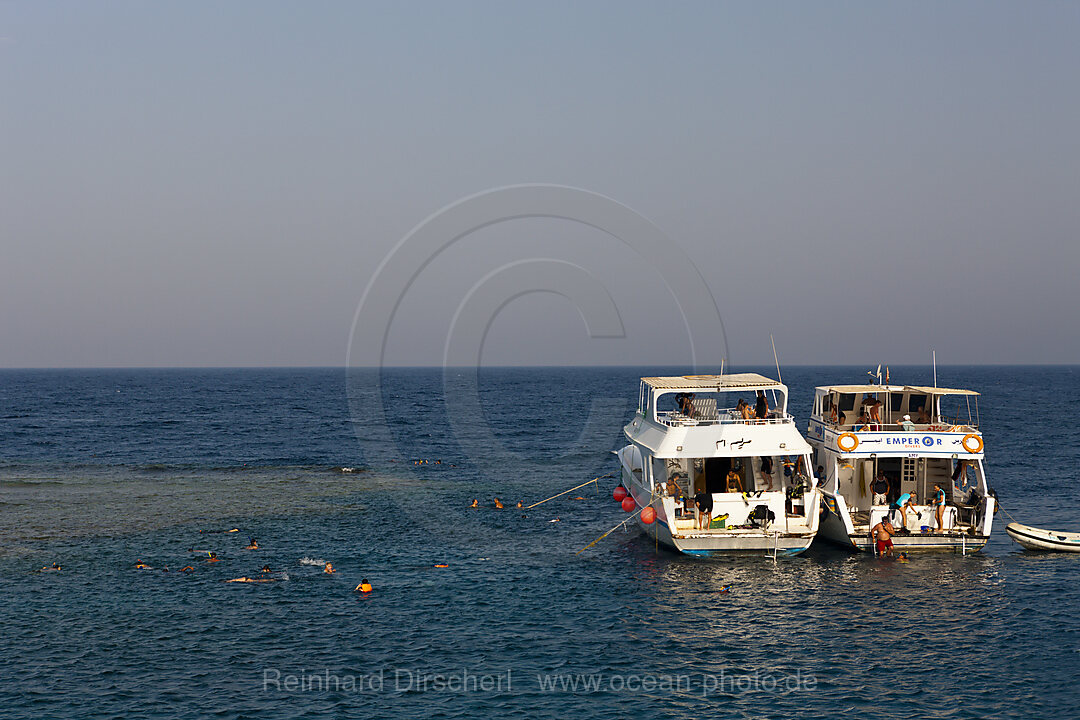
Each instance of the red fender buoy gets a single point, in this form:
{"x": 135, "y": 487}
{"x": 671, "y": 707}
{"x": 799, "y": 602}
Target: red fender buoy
{"x": 648, "y": 515}
{"x": 619, "y": 493}
{"x": 628, "y": 504}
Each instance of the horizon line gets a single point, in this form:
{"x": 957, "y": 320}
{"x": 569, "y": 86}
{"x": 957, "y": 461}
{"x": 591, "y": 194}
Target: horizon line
{"x": 519, "y": 367}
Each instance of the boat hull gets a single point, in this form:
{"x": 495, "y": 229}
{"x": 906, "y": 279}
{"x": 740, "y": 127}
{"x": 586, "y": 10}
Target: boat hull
{"x": 1032, "y": 538}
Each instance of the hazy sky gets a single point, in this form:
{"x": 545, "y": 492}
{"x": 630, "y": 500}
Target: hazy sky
{"x": 216, "y": 183}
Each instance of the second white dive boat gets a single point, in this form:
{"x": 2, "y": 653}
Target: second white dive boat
{"x": 877, "y": 446}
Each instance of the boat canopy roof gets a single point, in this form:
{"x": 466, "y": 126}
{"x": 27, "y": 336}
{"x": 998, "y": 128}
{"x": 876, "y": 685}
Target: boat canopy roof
{"x": 846, "y": 389}
{"x": 734, "y": 381}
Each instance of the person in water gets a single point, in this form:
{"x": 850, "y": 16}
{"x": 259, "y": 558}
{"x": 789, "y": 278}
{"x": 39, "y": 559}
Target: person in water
{"x": 475, "y": 503}
{"x": 882, "y": 534}
{"x": 498, "y": 503}
{"x": 265, "y": 569}
{"x": 50, "y": 568}
{"x": 253, "y": 545}
{"x": 364, "y": 586}
{"x": 329, "y": 568}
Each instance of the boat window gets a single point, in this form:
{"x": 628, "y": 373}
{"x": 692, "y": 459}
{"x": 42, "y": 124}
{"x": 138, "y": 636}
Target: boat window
{"x": 847, "y": 402}
{"x": 896, "y": 401}
{"x": 826, "y": 404}
{"x": 916, "y": 403}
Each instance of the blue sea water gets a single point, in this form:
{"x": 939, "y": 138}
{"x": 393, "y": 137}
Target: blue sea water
{"x": 101, "y": 468}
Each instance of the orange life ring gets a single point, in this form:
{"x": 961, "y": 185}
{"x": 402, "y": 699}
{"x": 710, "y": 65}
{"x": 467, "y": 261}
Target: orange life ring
{"x": 978, "y": 440}
{"x": 854, "y": 442}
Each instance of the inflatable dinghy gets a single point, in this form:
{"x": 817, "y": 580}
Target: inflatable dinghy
{"x": 1037, "y": 539}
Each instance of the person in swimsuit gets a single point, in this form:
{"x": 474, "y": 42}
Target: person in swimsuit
{"x": 744, "y": 410}
{"x": 882, "y": 534}
{"x": 875, "y": 414}
{"x": 906, "y": 505}
{"x": 734, "y": 482}
{"x": 704, "y": 503}
{"x": 673, "y": 489}
{"x": 939, "y": 507}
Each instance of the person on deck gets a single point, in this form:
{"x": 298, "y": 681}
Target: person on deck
{"x": 923, "y": 418}
{"x": 743, "y": 408}
{"x": 766, "y": 471}
{"x": 908, "y": 504}
{"x": 906, "y": 424}
{"x": 880, "y": 488}
{"x": 874, "y": 406}
{"x": 673, "y": 489}
{"x": 734, "y": 482}
{"x": 761, "y": 409}
{"x": 938, "y": 501}
{"x": 704, "y": 503}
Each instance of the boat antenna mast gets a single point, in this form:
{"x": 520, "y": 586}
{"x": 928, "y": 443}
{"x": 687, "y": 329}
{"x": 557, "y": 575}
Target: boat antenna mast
{"x": 875, "y": 374}
{"x": 775, "y": 359}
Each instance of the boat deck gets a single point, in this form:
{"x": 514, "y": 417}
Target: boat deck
{"x": 795, "y": 527}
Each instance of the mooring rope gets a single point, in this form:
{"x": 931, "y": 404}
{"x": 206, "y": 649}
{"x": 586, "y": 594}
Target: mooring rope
{"x": 570, "y": 490}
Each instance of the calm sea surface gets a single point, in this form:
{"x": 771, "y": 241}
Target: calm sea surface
{"x": 99, "y": 469}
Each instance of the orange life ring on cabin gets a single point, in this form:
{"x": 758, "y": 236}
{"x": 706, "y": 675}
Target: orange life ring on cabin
{"x": 978, "y": 443}
{"x": 851, "y": 436}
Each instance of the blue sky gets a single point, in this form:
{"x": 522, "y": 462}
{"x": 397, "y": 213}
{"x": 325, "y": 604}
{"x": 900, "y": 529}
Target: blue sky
{"x": 216, "y": 184}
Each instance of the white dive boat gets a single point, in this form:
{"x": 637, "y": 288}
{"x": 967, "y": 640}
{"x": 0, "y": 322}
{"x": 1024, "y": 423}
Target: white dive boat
{"x": 688, "y": 437}
{"x": 1038, "y": 539}
{"x": 910, "y": 455}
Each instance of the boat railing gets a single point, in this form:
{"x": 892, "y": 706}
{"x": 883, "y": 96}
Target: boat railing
{"x": 724, "y": 417}
{"x": 943, "y": 426}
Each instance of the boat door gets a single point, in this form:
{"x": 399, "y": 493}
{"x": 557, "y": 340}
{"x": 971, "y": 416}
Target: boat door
{"x": 716, "y": 470}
